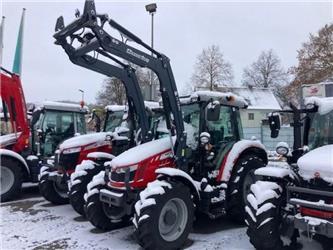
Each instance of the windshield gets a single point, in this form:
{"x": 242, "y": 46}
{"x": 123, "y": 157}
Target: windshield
{"x": 321, "y": 130}
{"x": 113, "y": 120}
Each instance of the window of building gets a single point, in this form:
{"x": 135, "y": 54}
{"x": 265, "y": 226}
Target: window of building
{"x": 251, "y": 116}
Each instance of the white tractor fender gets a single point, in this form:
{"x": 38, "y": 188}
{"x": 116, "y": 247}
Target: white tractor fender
{"x": 173, "y": 172}
{"x": 16, "y": 156}
{"x": 236, "y": 151}
{"x": 96, "y": 155}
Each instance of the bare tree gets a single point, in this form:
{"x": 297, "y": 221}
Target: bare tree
{"x": 315, "y": 60}
{"x": 265, "y": 72}
{"x": 211, "y": 69}
{"x": 112, "y": 92}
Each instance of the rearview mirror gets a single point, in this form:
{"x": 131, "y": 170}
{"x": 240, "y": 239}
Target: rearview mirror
{"x": 213, "y": 111}
{"x": 274, "y": 124}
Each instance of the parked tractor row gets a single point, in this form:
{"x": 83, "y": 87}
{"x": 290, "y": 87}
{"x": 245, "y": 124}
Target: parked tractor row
{"x": 161, "y": 165}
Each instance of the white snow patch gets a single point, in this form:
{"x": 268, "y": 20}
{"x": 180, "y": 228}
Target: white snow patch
{"x": 97, "y": 155}
{"x": 274, "y": 171}
{"x": 325, "y": 105}
{"x": 265, "y": 208}
{"x": 317, "y": 162}
{"x": 142, "y": 152}
{"x": 115, "y": 108}
{"x": 84, "y": 140}
{"x": 265, "y": 221}
{"x": 264, "y": 190}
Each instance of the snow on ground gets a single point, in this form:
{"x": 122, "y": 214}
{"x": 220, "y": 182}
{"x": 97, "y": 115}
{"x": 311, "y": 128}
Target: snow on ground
{"x": 33, "y": 223}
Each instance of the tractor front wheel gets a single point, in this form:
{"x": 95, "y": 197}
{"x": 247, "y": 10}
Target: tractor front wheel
{"x": 79, "y": 180}
{"x": 164, "y": 215}
{"x": 51, "y": 190}
{"x": 267, "y": 217}
{"x": 98, "y": 213}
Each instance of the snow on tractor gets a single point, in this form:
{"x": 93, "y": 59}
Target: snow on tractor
{"x": 53, "y": 179}
{"x": 24, "y": 146}
{"x": 211, "y": 177}
{"x": 296, "y": 196}
{"x": 140, "y": 130}
{"x": 94, "y": 164}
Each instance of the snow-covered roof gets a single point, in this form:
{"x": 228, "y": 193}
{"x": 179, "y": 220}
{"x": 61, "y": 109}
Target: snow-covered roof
{"x": 325, "y": 104}
{"x": 115, "y": 108}
{"x": 225, "y": 98}
{"x": 64, "y": 106}
{"x": 258, "y": 98}
{"x": 148, "y": 104}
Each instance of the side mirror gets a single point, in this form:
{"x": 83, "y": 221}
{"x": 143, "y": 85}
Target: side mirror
{"x": 204, "y": 138}
{"x": 213, "y": 111}
{"x": 274, "y": 124}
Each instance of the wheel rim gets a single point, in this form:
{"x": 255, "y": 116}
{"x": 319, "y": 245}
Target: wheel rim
{"x": 249, "y": 179}
{"x": 173, "y": 219}
{"x": 60, "y": 189}
{"x": 113, "y": 212}
{"x": 7, "y": 179}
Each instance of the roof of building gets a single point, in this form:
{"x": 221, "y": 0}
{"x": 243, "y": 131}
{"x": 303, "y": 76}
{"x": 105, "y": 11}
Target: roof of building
{"x": 258, "y": 98}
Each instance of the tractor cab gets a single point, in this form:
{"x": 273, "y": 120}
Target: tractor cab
{"x": 213, "y": 126}
{"x": 53, "y": 123}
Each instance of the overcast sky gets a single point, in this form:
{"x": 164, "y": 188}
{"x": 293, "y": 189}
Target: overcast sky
{"x": 182, "y": 30}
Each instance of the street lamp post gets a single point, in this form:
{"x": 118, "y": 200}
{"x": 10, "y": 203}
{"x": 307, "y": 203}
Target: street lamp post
{"x": 82, "y": 100}
{"x": 151, "y": 9}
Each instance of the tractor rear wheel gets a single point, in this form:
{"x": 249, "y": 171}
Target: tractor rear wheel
{"x": 79, "y": 180}
{"x": 11, "y": 179}
{"x": 52, "y": 191}
{"x": 164, "y": 215}
{"x": 241, "y": 179}
{"x": 266, "y": 217}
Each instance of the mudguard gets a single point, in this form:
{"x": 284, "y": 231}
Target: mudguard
{"x": 16, "y": 156}
{"x": 181, "y": 175}
{"x": 238, "y": 149}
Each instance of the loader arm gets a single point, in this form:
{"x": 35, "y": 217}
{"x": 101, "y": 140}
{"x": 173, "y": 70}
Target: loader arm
{"x": 127, "y": 75}
{"x": 100, "y": 41}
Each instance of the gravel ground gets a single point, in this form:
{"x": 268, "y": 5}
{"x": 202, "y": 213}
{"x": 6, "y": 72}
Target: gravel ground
{"x": 33, "y": 223}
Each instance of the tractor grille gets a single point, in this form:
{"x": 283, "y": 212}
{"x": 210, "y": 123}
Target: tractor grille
{"x": 120, "y": 177}
{"x": 68, "y": 161}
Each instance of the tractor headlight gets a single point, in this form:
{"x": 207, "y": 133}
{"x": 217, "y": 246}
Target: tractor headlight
{"x": 282, "y": 148}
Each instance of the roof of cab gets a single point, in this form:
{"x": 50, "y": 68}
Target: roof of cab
{"x": 224, "y": 98}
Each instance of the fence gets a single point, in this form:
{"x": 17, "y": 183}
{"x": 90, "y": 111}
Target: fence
{"x": 263, "y": 134}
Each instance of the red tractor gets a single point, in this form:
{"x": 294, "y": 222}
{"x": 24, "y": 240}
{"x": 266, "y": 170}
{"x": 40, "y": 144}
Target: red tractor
{"x": 54, "y": 179}
{"x": 25, "y": 146}
{"x": 201, "y": 166}
{"x": 296, "y": 195}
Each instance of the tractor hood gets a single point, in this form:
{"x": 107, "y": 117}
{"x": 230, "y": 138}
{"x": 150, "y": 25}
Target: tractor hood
{"x": 82, "y": 140}
{"x": 318, "y": 163}
{"x": 142, "y": 152}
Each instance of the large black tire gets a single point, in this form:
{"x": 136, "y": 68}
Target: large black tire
{"x": 79, "y": 180}
{"x": 264, "y": 216}
{"x": 242, "y": 177}
{"x": 95, "y": 209}
{"x": 50, "y": 190}
{"x": 156, "y": 225}
{"x": 10, "y": 189}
